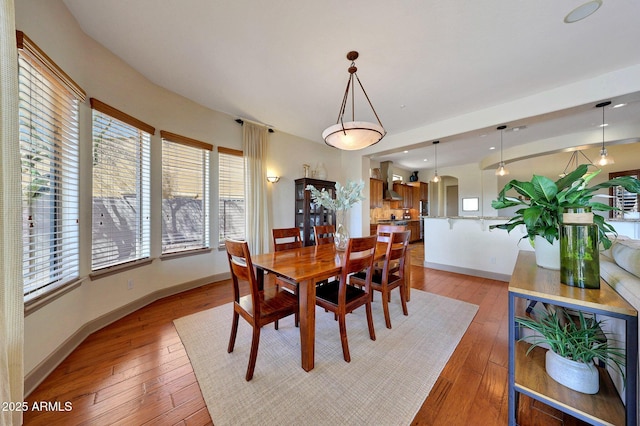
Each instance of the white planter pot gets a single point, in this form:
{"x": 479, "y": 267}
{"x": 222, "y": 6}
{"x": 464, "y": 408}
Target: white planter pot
{"x": 572, "y": 374}
{"x": 547, "y": 255}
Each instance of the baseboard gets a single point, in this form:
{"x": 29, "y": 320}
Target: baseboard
{"x": 468, "y": 271}
{"x": 44, "y": 368}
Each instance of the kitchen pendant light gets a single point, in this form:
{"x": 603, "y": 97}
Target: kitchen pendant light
{"x": 502, "y": 170}
{"x": 353, "y": 135}
{"x": 436, "y": 178}
{"x": 605, "y": 158}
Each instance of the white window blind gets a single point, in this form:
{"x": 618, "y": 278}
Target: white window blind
{"x": 185, "y": 193}
{"x": 231, "y": 194}
{"x": 48, "y": 132}
{"x": 121, "y": 185}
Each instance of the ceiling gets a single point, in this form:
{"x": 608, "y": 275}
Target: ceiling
{"x": 283, "y": 63}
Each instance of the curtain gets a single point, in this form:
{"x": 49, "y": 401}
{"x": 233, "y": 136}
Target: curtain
{"x": 254, "y": 147}
{"x": 11, "y": 297}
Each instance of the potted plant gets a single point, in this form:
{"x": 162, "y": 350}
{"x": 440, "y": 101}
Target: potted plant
{"x": 574, "y": 344}
{"x": 346, "y": 197}
{"x": 543, "y": 202}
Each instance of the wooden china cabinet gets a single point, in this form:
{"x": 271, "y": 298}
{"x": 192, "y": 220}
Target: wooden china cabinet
{"x": 309, "y": 214}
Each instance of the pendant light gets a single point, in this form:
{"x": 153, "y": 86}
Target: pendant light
{"x": 605, "y": 158}
{"x": 502, "y": 170}
{"x": 573, "y": 163}
{"x": 436, "y": 178}
{"x": 352, "y": 135}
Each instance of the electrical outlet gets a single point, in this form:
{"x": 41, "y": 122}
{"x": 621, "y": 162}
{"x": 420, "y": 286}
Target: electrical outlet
{"x": 130, "y": 284}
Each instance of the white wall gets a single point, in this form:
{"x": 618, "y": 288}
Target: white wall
{"x": 105, "y": 77}
{"x": 468, "y": 246}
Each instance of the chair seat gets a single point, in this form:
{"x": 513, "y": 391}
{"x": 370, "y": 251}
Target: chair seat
{"x": 376, "y": 279}
{"x": 329, "y": 292}
{"x": 274, "y": 305}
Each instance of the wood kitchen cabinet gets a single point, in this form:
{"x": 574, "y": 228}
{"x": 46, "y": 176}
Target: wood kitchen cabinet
{"x": 375, "y": 193}
{"x": 421, "y": 192}
{"x": 406, "y": 192}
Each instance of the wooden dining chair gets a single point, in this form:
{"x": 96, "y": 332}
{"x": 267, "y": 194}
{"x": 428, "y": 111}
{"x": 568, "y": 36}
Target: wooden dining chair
{"x": 286, "y": 239}
{"x": 342, "y": 298}
{"x": 389, "y": 277}
{"x": 384, "y": 231}
{"x": 324, "y": 234}
{"x": 258, "y": 308}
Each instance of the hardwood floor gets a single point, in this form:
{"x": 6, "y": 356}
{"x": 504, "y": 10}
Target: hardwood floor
{"x": 136, "y": 371}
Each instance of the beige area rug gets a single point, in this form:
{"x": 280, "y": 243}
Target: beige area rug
{"x": 385, "y": 383}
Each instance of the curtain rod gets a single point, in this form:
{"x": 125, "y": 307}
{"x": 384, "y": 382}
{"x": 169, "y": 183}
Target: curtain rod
{"x": 240, "y": 121}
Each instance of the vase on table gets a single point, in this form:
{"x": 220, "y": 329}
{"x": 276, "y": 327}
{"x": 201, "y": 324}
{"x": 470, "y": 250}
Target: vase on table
{"x": 579, "y": 255}
{"x": 341, "y": 236}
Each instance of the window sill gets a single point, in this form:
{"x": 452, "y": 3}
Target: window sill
{"x": 100, "y": 273}
{"x": 185, "y": 253}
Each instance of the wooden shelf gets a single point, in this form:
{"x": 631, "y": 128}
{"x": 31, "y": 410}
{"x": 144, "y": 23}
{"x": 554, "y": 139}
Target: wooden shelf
{"x": 527, "y": 374}
{"x": 544, "y": 284}
{"x": 532, "y": 379}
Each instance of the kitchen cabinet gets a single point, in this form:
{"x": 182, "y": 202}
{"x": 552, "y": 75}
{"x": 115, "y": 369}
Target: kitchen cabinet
{"x": 421, "y": 192}
{"x": 530, "y": 283}
{"x": 375, "y": 193}
{"x": 414, "y": 227}
{"x": 406, "y": 192}
{"x": 309, "y": 214}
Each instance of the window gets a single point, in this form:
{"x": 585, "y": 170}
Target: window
{"x": 48, "y": 132}
{"x": 185, "y": 193}
{"x": 231, "y": 194}
{"x": 121, "y": 182}
{"x": 627, "y": 202}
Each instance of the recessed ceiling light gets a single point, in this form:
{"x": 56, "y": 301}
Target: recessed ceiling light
{"x": 492, "y": 147}
{"x": 425, "y": 159}
{"x": 603, "y": 125}
{"x": 583, "y": 11}
{"x": 619, "y": 106}
{"x": 402, "y": 106}
{"x": 405, "y": 151}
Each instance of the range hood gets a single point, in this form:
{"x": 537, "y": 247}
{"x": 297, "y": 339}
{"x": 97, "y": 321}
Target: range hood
{"x": 387, "y": 186}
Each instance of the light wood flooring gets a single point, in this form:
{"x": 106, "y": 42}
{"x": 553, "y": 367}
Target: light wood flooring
{"x": 136, "y": 371}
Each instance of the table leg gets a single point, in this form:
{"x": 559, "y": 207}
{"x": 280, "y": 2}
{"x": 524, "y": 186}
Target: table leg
{"x": 407, "y": 277}
{"x": 307, "y": 294}
{"x": 260, "y": 277}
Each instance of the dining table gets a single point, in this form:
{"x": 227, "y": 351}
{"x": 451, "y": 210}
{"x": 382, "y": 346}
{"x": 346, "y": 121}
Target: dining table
{"x": 307, "y": 266}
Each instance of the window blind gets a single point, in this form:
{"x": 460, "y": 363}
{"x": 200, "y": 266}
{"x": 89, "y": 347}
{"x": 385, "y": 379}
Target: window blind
{"x": 48, "y": 133}
{"x": 231, "y": 194}
{"x": 121, "y": 186}
{"x": 185, "y": 193}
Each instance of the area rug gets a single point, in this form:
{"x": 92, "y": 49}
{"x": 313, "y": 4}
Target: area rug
{"x": 385, "y": 383}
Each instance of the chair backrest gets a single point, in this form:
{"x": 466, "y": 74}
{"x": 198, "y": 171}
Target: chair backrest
{"x": 396, "y": 251}
{"x": 384, "y": 231}
{"x": 324, "y": 234}
{"x": 286, "y": 239}
{"x": 358, "y": 257}
{"x": 241, "y": 268}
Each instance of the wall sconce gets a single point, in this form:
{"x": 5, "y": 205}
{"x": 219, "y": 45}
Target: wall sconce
{"x": 273, "y": 179}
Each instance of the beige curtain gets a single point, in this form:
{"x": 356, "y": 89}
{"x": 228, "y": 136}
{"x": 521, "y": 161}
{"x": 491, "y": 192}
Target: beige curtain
{"x": 254, "y": 147}
{"x": 11, "y": 298}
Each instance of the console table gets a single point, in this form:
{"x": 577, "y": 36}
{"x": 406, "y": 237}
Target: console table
{"x": 527, "y": 373}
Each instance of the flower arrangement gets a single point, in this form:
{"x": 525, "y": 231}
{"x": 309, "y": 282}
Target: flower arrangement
{"x": 346, "y": 196}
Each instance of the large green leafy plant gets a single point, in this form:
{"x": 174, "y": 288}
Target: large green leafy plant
{"x": 544, "y": 200}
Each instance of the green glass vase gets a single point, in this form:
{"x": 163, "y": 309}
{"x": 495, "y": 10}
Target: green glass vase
{"x": 579, "y": 255}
